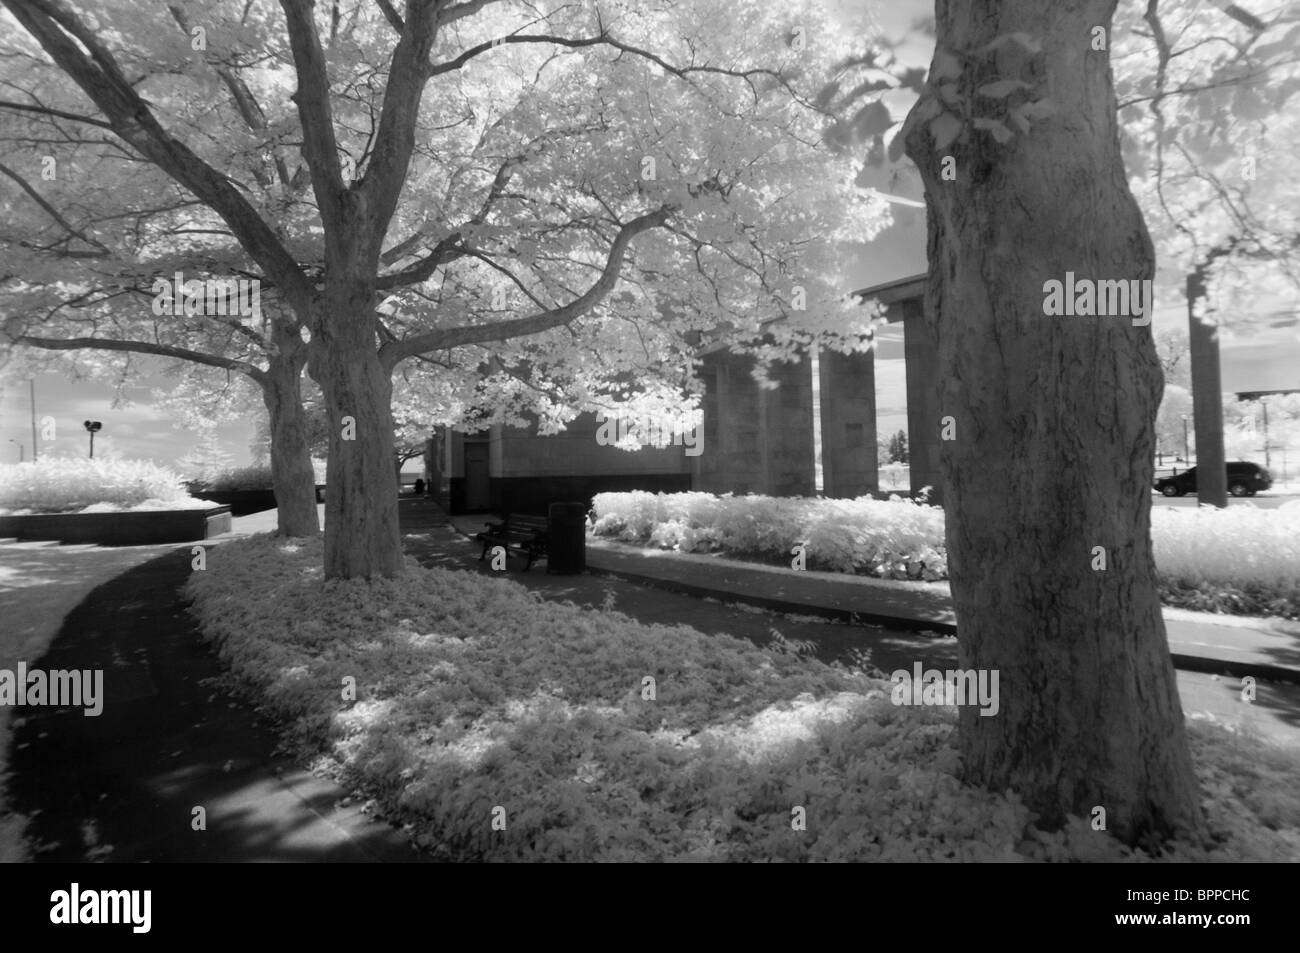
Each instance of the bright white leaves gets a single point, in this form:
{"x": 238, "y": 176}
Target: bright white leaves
{"x": 604, "y": 138}
{"x": 1215, "y": 165}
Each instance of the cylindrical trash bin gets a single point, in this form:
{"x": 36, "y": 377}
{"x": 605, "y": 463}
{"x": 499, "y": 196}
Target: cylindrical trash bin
{"x": 566, "y": 548}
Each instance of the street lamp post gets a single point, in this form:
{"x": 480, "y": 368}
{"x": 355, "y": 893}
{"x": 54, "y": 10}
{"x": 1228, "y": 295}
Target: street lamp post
{"x": 31, "y": 383}
{"x": 92, "y": 427}
{"x": 1267, "y": 462}
{"x": 1187, "y": 457}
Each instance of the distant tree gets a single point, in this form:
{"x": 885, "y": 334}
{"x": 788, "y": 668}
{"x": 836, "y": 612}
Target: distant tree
{"x": 207, "y": 458}
{"x": 1174, "y": 351}
{"x": 315, "y": 423}
{"x": 1174, "y": 405}
{"x": 898, "y": 447}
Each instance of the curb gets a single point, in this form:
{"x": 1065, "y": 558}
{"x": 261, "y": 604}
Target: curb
{"x": 938, "y": 628}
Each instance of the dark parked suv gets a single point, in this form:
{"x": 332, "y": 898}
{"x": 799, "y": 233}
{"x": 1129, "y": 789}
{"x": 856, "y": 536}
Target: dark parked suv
{"x": 1244, "y": 479}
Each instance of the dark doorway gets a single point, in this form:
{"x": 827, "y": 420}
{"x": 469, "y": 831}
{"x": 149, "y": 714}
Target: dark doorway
{"x": 476, "y": 477}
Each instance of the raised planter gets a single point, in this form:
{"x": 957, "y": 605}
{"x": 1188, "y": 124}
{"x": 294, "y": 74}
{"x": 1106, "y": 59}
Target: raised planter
{"x": 243, "y": 502}
{"x": 120, "y": 529}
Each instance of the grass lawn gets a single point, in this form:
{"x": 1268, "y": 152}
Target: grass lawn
{"x": 493, "y": 725}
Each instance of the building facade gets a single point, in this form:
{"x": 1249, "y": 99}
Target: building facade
{"x": 753, "y": 440}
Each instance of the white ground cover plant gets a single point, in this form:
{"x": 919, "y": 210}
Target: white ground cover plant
{"x": 895, "y": 538}
{"x": 255, "y": 477}
{"x": 473, "y": 693}
{"x": 1242, "y": 547}
{"x": 1243, "y": 558}
{"x": 63, "y": 485}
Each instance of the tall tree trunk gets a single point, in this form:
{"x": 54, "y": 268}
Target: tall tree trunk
{"x": 292, "y": 475}
{"x": 1054, "y": 423}
{"x": 362, "y": 538}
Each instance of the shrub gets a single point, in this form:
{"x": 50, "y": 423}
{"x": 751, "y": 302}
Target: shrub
{"x": 63, "y": 485}
{"x": 1241, "y": 546}
{"x": 1242, "y": 559}
{"x": 895, "y": 538}
{"x": 255, "y": 477}
{"x": 473, "y": 694}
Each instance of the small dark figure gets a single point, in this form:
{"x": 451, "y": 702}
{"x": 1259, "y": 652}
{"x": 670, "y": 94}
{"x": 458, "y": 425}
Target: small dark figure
{"x": 419, "y": 487}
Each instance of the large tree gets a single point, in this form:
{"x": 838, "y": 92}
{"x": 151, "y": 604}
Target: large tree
{"x": 1016, "y": 138}
{"x": 587, "y": 186}
{"x": 89, "y": 228}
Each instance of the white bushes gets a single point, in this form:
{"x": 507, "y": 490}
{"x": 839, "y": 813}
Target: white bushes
{"x": 1244, "y": 547}
{"x": 255, "y": 477}
{"x": 58, "y": 485}
{"x": 894, "y": 538}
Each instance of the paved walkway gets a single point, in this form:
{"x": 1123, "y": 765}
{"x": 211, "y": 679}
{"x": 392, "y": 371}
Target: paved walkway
{"x": 123, "y": 786}
{"x": 1198, "y": 641}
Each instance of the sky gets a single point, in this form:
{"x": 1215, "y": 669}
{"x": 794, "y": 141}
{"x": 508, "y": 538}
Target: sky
{"x": 1265, "y": 359}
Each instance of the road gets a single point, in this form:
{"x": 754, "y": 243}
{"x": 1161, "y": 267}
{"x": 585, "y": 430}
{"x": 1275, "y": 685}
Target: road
{"x": 1265, "y": 501}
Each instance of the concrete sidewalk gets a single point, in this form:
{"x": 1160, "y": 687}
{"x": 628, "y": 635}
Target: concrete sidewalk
{"x": 1200, "y": 642}
{"x": 124, "y": 785}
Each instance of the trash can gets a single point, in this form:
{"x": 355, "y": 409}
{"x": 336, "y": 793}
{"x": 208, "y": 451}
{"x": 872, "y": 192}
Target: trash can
{"x": 566, "y": 549}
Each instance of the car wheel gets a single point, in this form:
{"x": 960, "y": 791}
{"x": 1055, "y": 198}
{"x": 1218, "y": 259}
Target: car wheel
{"x": 1239, "y": 489}
{"x": 1170, "y": 490}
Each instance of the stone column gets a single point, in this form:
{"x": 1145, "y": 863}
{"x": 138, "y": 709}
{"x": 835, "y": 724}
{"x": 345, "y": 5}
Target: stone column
{"x": 848, "y": 413}
{"x": 755, "y": 440}
{"x": 922, "y": 367}
{"x": 732, "y": 459}
{"x": 789, "y": 454}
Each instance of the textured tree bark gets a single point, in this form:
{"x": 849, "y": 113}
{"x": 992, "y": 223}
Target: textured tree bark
{"x": 1054, "y": 424}
{"x": 362, "y": 537}
{"x": 292, "y": 475}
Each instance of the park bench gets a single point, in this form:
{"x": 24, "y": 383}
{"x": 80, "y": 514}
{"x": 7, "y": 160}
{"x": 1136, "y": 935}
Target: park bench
{"x": 517, "y": 533}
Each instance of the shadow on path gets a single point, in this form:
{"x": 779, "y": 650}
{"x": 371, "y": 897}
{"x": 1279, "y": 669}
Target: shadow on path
{"x": 123, "y": 786}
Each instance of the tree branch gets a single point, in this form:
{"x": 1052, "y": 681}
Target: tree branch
{"x": 64, "y": 36}
{"x": 381, "y": 186}
{"x": 142, "y": 347}
{"x": 245, "y": 102}
{"x": 51, "y": 211}
{"x": 456, "y": 11}
{"x": 58, "y": 113}
{"x": 391, "y": 15}
{"x": 446, "y": 250}
{"x": 393, "y": 352}
{"x": 681, "y": 72}
{"x": 319, "y": 145}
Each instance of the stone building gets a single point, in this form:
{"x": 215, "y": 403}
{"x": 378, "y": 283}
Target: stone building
{"x": 754, "y": 440}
